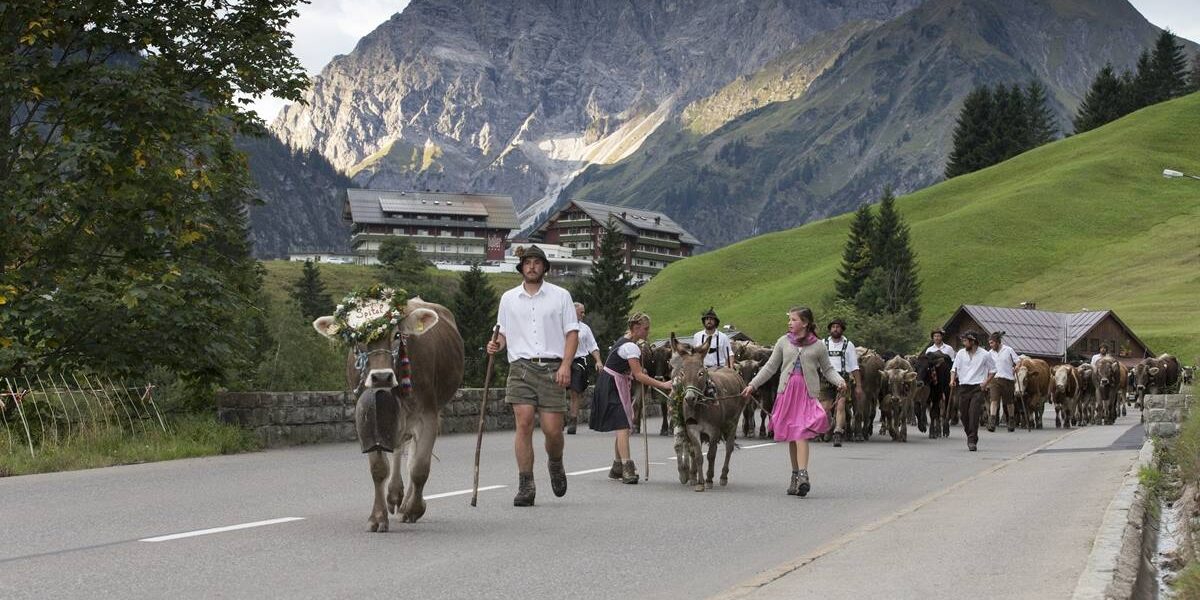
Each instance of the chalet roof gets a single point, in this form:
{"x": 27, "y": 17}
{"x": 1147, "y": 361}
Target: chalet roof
{"x": 630, "y": 220}
{"x": 371, "y": 206}
{"x": 1038, "y": 332}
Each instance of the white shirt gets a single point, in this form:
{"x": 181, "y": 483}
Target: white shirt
{"x": 849, "y": 355}
{"x": 536, "y": 326}
{"x": 1096, "y": 358}
{"x": 587, "y": 341}
{"x": 629, "y": 350}
{"x": 718, "y": 358}
{"x": 1005, "y": 360}
{"x": 945, "y": 348}
{"x": 973, "y": 369}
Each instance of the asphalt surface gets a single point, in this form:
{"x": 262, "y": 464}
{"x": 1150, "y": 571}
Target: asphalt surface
{"x": 75, "y": 535}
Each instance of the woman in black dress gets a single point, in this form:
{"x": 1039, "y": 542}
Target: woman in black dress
{"x": 612, "y": 402}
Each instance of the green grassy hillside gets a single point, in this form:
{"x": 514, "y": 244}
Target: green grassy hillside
{"x": 1086, "y": 222}
{"x": 340, "y": 279}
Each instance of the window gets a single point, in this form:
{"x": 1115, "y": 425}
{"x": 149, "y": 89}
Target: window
{"x": 422, "y": 232}
{"x": 468, "y": 234}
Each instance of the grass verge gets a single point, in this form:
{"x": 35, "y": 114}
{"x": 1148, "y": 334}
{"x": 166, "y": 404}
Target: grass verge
{"x": 1185, "y": 453}
{"x": 103, "y": 446}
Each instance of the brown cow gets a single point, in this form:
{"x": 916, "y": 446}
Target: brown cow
{"x": 388, "y": 418}
{"x": 1087, "y": 395}
{"x": 656, "y": 359}
{"x": 1064, "y": 394}
{"x": 1031, "y": 384}
{"x": 712, "y": 404}
{"x": 870, "y": 366}
{"x": 1106, "y": 381}
{"x": 749, "y": 357}
{"x": 899, "y": 380}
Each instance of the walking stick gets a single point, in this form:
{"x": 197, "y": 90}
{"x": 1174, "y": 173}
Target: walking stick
{"x": 645, "y": 440}
{"x": 487, "y": 384}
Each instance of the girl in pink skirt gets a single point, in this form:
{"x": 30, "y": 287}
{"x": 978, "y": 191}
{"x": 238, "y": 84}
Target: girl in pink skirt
{"x": 798, "y": 416}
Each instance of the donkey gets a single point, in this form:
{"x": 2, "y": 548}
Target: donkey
{"x": 712, "y": 404}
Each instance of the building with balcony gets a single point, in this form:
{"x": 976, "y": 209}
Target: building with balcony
{"x": 445, "y": 228}
{"x": 651, "y": 240}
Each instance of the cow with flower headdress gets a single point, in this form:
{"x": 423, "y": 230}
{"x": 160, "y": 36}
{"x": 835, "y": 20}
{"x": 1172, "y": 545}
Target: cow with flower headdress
{"x": 404, "y": 364}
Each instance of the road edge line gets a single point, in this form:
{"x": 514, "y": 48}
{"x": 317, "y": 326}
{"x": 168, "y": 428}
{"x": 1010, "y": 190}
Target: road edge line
{"x": 763, "y": 578}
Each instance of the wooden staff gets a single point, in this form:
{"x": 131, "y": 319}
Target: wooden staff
{"x": 645, "y": 440}
{"x": 487, "y": 383}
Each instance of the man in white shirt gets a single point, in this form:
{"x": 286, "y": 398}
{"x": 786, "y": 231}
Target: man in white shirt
{"x": 844, "y": 359}
{"x": 579, "y": 374}
{"x": 937, "y": 345}
{"x": 1003, "y": 388}
{"x": 719, "y": 350}
{"x": 1099, "y": 355}
{"x": 539, "y": 328}
{"x": 972, "y": 373}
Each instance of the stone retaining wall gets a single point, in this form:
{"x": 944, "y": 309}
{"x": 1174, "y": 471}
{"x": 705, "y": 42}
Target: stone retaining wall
{"x": 1165, "y": 413}
{"x": 286, "y": 418}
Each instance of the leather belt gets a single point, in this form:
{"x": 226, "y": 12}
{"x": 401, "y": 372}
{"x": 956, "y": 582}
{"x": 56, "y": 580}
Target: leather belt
{"x": 544, "y": 360}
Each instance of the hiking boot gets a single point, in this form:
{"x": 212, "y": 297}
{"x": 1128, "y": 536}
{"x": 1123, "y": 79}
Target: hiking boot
{"x": 615, "y": 471}
{"x": 972, "y": 447}
{"x": 526, "y": 491}
{"x": 558, "y": 478}
{"x": 802, "y": 486}
{"x": 572, "y": 423}
{"x": 991, "y": 426}
{"x": 794, "y": 486}
{"x": 629, "y": 473}
{"x": 837, "y": 439}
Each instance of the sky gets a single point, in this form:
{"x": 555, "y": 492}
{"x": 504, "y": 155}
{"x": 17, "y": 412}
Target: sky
{"x": 326, "y": 28}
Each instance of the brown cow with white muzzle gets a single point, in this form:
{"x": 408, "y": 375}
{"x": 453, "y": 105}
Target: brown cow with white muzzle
{"x": 1031, "y": 384}
{"x": 1106, "y": 381}
{"x": 391, "y": 414}
{"x": 899, "y": 380}
{"x": 1064, "y": 394}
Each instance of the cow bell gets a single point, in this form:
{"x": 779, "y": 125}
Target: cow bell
{"x": 376, "y": 416}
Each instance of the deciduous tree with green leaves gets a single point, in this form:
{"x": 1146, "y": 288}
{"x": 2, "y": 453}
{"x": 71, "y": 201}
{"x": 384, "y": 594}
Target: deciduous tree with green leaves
{"x": 122, "y": 212}
{"x": 401, "y": 264}
{"x": 608, "y": 292}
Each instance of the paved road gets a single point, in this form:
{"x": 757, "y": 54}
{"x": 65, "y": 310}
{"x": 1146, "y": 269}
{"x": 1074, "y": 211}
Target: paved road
{"x": 74, "y": 535}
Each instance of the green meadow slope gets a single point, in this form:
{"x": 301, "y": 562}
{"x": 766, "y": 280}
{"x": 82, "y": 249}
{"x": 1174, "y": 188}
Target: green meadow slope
{"x": 1086, "y": 222}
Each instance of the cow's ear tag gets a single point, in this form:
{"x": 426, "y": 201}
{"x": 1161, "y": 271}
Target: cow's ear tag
{"x": 420, "y": 326}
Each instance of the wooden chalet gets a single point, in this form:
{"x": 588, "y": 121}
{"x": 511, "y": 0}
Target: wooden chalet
{"x": 1055, "y": 337}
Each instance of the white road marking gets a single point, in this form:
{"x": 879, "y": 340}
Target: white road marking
{"x": 758, "y": 446}
{"x": 188, "y": 534}
{"x": 464, "y": 492}
{"x": 590, "y": 471}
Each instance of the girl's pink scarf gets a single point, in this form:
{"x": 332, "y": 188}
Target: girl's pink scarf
{"x": 801, "y": 341}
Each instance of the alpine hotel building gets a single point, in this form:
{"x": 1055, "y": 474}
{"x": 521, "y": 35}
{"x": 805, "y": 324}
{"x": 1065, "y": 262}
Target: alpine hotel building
{"x": 444, "y": 227}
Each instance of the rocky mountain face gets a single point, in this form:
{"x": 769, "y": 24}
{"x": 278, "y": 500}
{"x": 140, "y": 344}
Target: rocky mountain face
{"x": 882, "y": 115}
{"x": 518, "y": 96}
{"x": 302, "y": 197}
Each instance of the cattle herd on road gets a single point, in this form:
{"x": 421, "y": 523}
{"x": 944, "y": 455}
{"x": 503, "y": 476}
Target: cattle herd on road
{"x": 404, "y": 379}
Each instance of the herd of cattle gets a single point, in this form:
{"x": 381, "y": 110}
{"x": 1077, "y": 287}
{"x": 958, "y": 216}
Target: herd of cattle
{"x": 398, "y": 414}
{"x": 915, "y": 389}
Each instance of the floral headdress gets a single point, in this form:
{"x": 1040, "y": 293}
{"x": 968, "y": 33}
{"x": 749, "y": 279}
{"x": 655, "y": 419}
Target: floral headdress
{"x": 367, "y": 315}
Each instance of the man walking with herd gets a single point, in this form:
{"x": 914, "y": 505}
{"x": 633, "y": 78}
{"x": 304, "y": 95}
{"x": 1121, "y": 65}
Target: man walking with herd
{"x": 970, "y": 376}
{"x": 538, "y": 326}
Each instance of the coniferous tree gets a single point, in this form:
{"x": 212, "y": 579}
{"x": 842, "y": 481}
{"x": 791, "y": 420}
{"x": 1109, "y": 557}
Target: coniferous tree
{"x": 1104, "y": 102}
{"x": 856, "y": 257}
{"x": 1041, "y": 127}
{"x": 474, "y": 307}
{"x": 893, "y": 286}
{"x": 1010, "y": 124}
{"x": 972, "y": 133}
{"x": 1194, "y": 75}
{"x": 1168, "y": 70}
{"x": 309, "y": 292}
{"x": 1139, "y": 85}
{"x": 607, "y": 291}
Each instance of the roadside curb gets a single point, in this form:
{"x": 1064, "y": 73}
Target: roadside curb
{"x": 1120, "y": 549}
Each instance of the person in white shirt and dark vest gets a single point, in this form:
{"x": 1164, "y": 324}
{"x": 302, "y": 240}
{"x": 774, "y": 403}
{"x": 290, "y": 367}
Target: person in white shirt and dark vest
{"x": 612, "y": 400}
{"x": 579, "y": 368}
{"x": 719, "y": 349}
{"x": 844, "y": 359}
{"x": 539, "y": 328}
{"x": 972, "y": 373}
{"x": 1004, "y": 385}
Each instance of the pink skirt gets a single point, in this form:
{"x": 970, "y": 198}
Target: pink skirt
{"x": 797, "y": 415}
